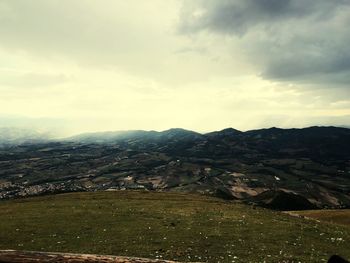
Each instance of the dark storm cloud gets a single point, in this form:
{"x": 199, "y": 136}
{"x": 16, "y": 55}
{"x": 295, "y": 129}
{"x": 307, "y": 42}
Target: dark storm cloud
{"x": 237, "y": 17}
{"x": 298, "y": 62}
{"x": 304, "y": 40}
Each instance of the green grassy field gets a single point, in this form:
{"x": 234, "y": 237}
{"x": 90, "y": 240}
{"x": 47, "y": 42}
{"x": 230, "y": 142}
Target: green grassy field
{"x": 166, "y": 225}
{"x": 340, "y": 216}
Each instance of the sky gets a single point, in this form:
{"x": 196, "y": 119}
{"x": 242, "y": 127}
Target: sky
{"x": 73, "y": 66}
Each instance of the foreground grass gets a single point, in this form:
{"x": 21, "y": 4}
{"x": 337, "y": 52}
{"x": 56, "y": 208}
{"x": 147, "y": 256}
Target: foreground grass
{"x": 341, "y": 216}
{"x": 166, "y": 225}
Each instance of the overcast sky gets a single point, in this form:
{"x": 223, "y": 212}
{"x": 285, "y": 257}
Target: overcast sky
{"x": 74, "y": 66}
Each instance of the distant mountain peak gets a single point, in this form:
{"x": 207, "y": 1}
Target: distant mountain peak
{"x": 178, "y": 131}
{"x": 224, "y": 133}
{"x": 231, "y": 130}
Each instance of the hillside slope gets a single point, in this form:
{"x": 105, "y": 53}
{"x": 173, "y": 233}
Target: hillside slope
{"x": 172, "y": 226}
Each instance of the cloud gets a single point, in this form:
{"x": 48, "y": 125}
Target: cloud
{"x": 31, "y": 79}
{"x": 292, "y": 40}
{"x": 237, "y": 17}
{"x": 115, "y": 64}
{"x": 111, "y": 34}
{"x": 134, "y": 37}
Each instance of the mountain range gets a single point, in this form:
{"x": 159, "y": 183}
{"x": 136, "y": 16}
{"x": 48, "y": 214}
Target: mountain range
{"x": 15, "y": 136}
{"x": 276, "y": 168}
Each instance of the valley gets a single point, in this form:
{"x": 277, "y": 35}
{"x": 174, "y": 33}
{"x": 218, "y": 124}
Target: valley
{"x": 291, "y": 169}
